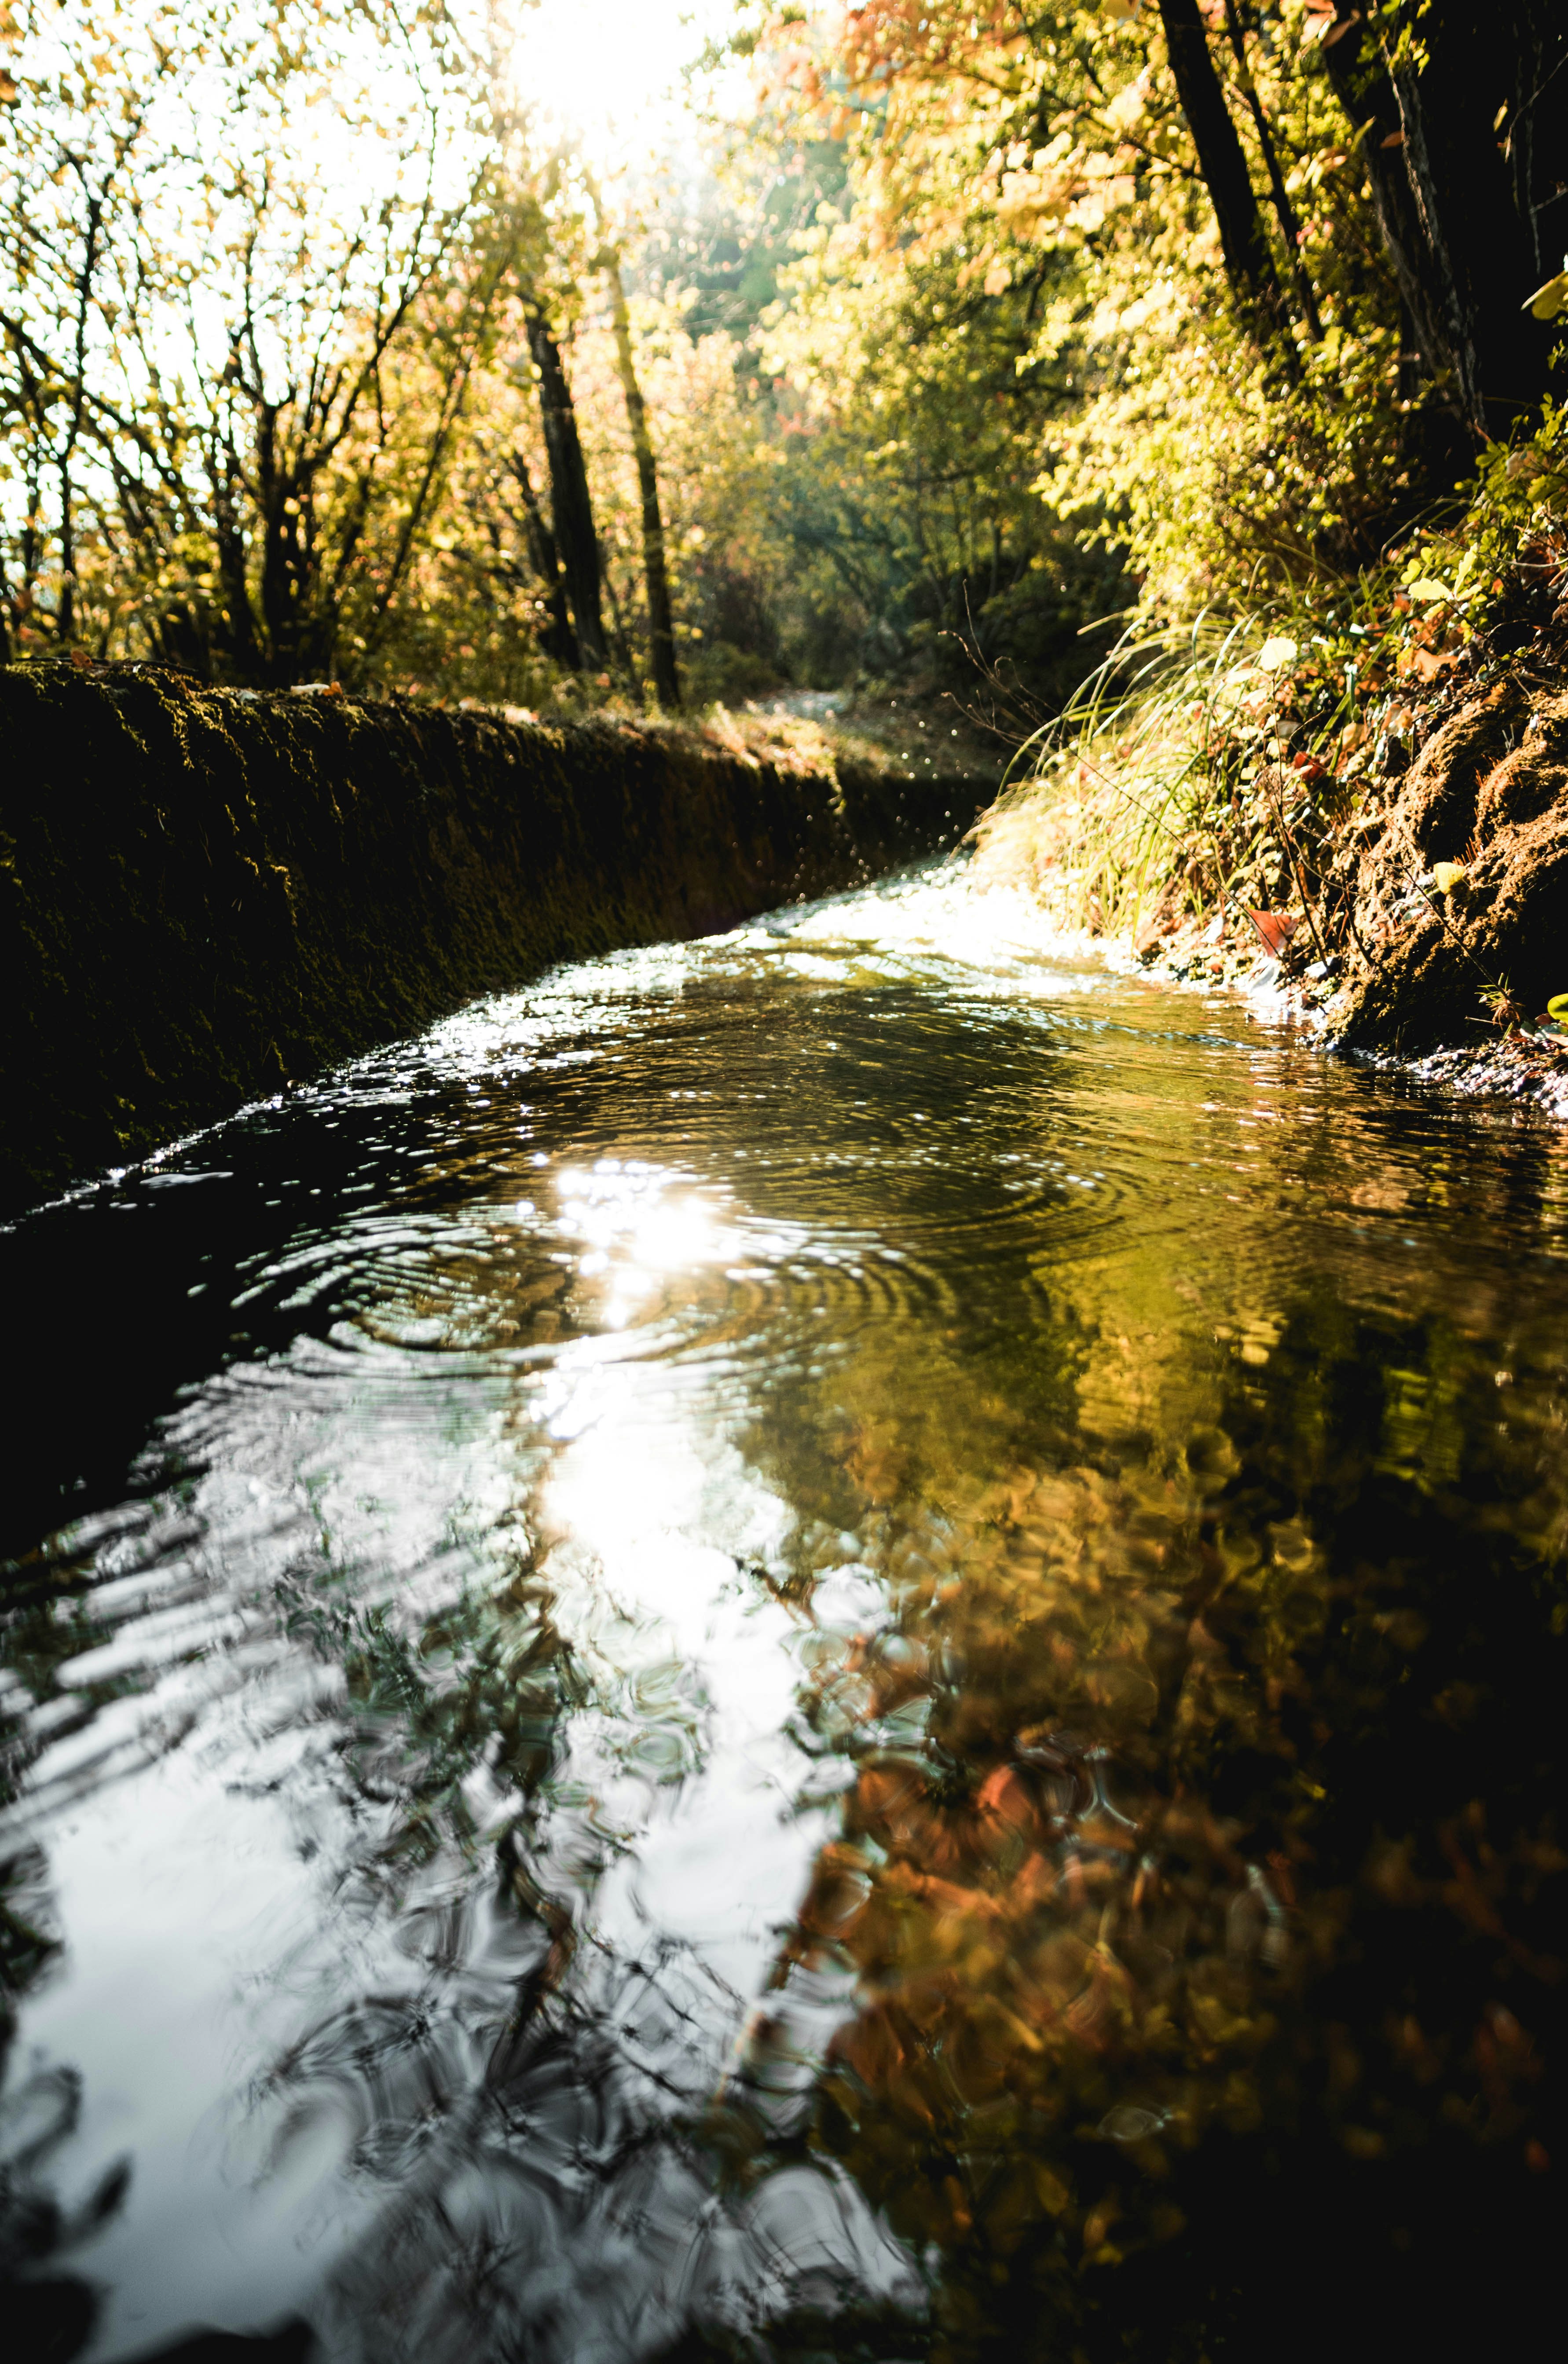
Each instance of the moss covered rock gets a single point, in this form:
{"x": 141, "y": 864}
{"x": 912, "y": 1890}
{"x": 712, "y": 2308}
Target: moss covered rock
{"x": 205, "y": 896}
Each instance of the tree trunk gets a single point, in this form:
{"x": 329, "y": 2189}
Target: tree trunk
{"x": 1285, "y": 212}
{"x": 571, "y": 510}
{"x": 557, "y": 640}
{"x": 1222, "y": 160}
{"x": 1466, "y": 151}
{"x": 661, "y": 620}
{"x": 617, "y": 622}
{"x": 1536, "y": 143}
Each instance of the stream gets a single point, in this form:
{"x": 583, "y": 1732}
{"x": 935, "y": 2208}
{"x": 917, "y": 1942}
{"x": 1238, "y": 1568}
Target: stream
{"x": 845, "y": 1641}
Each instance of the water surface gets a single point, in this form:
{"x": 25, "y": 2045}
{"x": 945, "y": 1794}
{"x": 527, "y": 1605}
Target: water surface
{"x": 840, "y": 1642}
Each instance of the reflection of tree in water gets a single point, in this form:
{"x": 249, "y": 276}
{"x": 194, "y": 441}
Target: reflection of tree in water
{"x": 486, "y": 2103}
{"x": 515, "y": 2104}
{"x": 46, "y": 2307}
{"x": 527, "y": 2110}
{"x": 1189, "y": 1949}
{"x": 42, "y": 2303}
{"x": 1195, "y": 1928}
{"x": 533, "y": 2112}
{"x": 518, "y": 2105}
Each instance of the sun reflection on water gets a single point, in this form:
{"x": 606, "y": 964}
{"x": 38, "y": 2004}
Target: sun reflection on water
{"x": 810, "y": 1642}
{"x": 642, "y": 1224}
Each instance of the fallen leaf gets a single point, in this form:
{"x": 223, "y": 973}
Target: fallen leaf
{"x": 1426, "y": 663}
{"x": 1446, "y": 876}
{"x": 1274, "y": 930}
{"x": 1278, "y": 650}
{"x": 1322, "y": 23}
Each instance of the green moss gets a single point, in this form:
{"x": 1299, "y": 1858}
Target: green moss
{"x": 205, "y": 896}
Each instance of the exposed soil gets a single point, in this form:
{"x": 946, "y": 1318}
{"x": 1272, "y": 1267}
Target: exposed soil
{"x": 1437, "y": 926}
{"x": 1433, "y": 959}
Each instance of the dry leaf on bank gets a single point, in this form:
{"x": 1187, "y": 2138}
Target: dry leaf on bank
{"x": 1274, "y": 930}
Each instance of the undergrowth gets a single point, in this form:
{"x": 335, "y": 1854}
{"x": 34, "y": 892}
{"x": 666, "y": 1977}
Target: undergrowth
{"x": 1210, "y": 768}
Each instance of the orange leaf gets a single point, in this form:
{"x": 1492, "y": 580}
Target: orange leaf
{"x": 1274, "y": 930}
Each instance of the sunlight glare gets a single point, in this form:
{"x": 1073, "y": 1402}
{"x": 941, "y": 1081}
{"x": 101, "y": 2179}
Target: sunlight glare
{"x": 611, "y": 73}
{"x": 636, "y": 1233}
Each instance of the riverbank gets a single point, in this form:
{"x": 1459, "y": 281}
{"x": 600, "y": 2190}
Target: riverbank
{"x": 1525, "y": 1067}
{"x": 211, "y": 896}
{"x": 1375, "y": 842}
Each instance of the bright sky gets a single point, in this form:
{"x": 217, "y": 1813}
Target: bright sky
{"x": 611, "y": 68}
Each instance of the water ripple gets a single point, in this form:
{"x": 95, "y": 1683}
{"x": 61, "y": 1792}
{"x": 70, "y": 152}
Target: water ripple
{"x": 779, "y": 1643}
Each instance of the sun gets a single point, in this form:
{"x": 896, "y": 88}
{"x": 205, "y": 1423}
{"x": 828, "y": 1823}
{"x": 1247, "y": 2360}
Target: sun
{"x": 609, "y": 72}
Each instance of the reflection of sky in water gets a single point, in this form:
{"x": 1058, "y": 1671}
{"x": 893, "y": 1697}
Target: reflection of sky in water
{"x": 610, "y": 1371}
{"x": 211, "y": 1894}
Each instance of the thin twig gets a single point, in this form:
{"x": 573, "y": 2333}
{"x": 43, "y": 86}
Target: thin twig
{"x": 1290, "y": 855}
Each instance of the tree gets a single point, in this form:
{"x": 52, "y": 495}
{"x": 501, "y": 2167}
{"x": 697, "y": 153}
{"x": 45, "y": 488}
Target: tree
{"x": 575, "y": 535}
{"x": 1249, "y": 264}
{"x": 557, "y": 640}
{"x": 240, "y": 329}
{"x": 661, "y": 615}
{"x": 78, "y": 146}
{"x": 1274, "y": 337}
{"x": 1461, "y": 115}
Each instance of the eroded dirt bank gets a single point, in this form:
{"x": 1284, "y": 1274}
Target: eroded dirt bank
{"x": 1448, "y": 899}
{"x": 1433, "y": 931}
{"x": 1418, "y": 916}
{"x": 206, "y": 897}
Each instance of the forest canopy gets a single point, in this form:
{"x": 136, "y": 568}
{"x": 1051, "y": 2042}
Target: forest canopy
{"x": 329, "y": 356}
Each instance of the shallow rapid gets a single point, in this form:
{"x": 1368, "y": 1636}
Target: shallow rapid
{"x": 839, "y": 1642}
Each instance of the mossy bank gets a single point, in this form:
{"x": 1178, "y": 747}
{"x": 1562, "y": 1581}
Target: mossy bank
{"x": 207, "y": 897}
